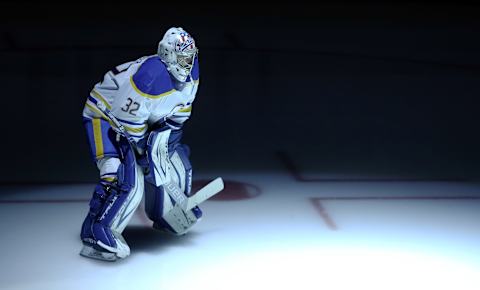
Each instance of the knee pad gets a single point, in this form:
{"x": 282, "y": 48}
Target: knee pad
{"x": 108, "y": 168}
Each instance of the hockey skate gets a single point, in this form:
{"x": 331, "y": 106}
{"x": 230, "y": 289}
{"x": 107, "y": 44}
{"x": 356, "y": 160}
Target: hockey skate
{"x": 95, "y": 252}
{"x": 100, "y": 251}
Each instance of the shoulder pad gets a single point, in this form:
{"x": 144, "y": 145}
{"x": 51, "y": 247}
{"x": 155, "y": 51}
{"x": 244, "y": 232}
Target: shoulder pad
{"x": 152, "y": 79}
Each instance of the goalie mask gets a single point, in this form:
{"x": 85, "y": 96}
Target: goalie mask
{"x": 177, "y": 50}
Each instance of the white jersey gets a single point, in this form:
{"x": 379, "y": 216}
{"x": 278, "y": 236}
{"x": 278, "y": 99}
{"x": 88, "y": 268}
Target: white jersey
{"x": 141, "y": 93}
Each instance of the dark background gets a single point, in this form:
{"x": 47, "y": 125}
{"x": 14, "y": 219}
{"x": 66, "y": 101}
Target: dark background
{"x": 343, "y": 90}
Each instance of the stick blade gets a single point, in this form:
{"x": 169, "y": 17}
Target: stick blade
{"x": 205, "y": 193}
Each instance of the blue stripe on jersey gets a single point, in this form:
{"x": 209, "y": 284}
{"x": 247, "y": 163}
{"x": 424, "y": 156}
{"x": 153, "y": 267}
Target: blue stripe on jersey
{"x": 152, "y": 77}
{"x": 109, "y": 173}
{"x": 195, "y": 71}
{"x": 92, "y": 99}
{"x": 173, "y": 123}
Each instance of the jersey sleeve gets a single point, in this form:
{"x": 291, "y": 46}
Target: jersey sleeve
{"x": 181, "y": 116}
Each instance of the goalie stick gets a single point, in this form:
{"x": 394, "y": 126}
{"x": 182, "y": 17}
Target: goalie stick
{"x": 203, "y": 194}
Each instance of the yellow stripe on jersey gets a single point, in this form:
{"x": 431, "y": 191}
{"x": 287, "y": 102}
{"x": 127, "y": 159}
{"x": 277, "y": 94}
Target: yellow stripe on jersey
{"x": 148, "y": 95}
{"x": 98, "y": 96}
{"x": 97, "y": 137}
{"x": 135, "y": 130}
{"x": 186, "y": 110}
{"x": 110, "y": 179}
{"x": 128, "y": 128}
{"x": 97, "y": 111}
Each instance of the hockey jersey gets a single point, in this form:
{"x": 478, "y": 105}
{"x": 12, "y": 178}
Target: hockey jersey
{"x": 141, "y": 93}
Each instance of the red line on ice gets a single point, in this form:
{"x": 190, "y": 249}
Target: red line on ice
{"x": 323, "y": 213}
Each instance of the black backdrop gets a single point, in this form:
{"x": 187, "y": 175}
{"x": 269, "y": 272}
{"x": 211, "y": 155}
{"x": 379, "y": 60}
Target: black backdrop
{"x": 352, "y": 88}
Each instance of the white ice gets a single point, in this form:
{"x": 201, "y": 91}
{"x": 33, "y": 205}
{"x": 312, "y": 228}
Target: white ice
{"x": 294, "y": 235}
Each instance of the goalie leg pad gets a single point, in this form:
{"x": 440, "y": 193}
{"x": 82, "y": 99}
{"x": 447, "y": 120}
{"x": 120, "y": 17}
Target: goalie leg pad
{"x": 111, "y": 208}
{"x": 181, "y": 170}
{"x": 165, "y": 213}
{"x": 182, "y": 166}
{"x": 100, "y": 195}
{"x": 169, "y": 182}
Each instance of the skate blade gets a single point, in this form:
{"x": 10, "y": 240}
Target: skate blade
{"x": 90, "y": 252}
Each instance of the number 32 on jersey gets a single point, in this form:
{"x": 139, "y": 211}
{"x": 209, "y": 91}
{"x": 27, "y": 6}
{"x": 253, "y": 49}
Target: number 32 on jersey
{"x": 131, "y": 107}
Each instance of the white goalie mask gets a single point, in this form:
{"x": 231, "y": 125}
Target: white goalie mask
{"x": 177, "y": 50}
